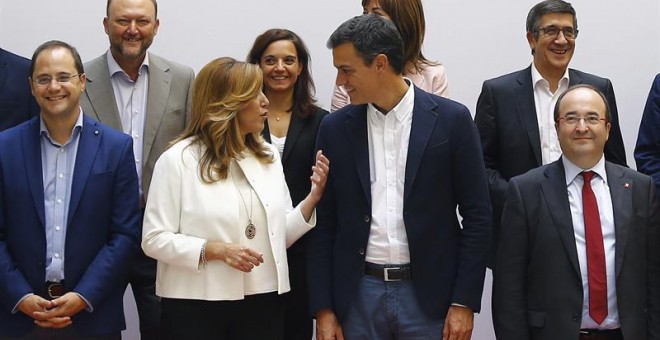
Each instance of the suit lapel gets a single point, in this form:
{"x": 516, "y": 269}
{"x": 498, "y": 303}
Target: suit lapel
{"x": 101, "y": 95}
{"x": 32, "y": 155}
{"x": 423, "y": 123}
{"x": 527, "y": 111}
{"x": 554, "y": 192}
{"x": 621, "y": 191}
{"x": 295, "y": 128}
{"x": 356, "y": 128}
{"x": 90, "y": 139}
{"x": 159, "y": 90}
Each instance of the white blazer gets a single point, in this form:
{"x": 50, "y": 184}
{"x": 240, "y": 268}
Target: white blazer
{"x": 183, "y": 212}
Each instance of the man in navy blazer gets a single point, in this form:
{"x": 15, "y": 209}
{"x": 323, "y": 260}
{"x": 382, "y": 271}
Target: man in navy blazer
{"x": 16, "y": 103}
{"x": 388, "y": 258}
{"x": 514, "y": 111}
{"x": 647, "y": 150}
{"x": 69, "y": 212}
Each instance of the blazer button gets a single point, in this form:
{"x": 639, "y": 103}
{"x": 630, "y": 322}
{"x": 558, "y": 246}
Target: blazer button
{"x": 367, "y": 218}
{"x": 576, "y": 317}
{"x": 361, "y": 251}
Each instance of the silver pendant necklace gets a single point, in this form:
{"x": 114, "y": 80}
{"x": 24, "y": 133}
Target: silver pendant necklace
{"x": 250, "y": 229}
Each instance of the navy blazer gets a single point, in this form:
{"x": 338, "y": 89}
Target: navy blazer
{"x": 103, "y": 230}
{"x": 16, "y": 101}
{"x": 444, "y": 170}
{"x": 647, "y": 150}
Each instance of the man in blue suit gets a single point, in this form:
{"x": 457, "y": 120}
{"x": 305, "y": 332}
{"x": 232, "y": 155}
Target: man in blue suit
{"x": 69, "y": 212}
{"x": 16, "y": 103}
{"x": 389, "y": 258}
{"x": 647, "y": 150}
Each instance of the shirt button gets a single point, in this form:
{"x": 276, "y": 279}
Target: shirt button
{"x": 57, "y": 255}
{"x": 58, "y": 228}
{"x": 59, "y": 200}
{"x": 61, "y": 175}
{"x": 137, "y": 160}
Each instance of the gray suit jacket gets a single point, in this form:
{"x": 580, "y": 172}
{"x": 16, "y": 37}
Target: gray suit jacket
{"x": 537, "y": 290}
{"x": 168, "y": 105}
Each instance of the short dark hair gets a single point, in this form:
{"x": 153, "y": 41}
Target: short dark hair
{"x": 545, "y": 7}
{"x": 48, "y": 45}
{"x": 107, "y": 8}
{"x": 371, "y": 35}
{"x": 608, "y": 115}
{"x": 304, "y": 89}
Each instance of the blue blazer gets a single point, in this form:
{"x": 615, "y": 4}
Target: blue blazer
{"x": 647, "y": 150}
{"x": 444, "y": 170}
{"x": 103, "y": 228}
{"x": 16, "y": 102}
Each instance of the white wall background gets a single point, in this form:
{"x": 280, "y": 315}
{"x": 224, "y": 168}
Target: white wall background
{"x": 475, "y": 39}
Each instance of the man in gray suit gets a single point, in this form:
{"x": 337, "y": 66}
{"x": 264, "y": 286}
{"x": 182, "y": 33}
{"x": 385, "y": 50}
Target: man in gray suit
{"x": 148, "y": 98}
{"x": 579, "y": 254}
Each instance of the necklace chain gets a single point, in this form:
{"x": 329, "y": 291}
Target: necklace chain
{"x": 250, "y": 229}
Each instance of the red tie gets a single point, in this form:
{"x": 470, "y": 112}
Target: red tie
{"x": 595, "y": 252}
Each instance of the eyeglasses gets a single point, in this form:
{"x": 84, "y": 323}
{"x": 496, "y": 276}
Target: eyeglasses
{"x": 60, "y": 78}
{"x": 552, "y": 32}
{"x": 589, "y": 120}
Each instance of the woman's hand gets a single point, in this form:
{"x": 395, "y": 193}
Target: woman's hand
{"x": 234, "y": 255}
{"x": 319, "y": 177}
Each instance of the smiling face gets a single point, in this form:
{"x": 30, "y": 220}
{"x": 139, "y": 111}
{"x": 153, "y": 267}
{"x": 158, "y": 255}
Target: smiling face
{"x": 360, "y": 81}
{"x": 57, "y": 100}
{"x": 252, "y": 116}
{"x": 280, "y": 66}
{"x": 552, "y": 54}
{"x": 582, "y": 143}
{"x": 131, "y": 26}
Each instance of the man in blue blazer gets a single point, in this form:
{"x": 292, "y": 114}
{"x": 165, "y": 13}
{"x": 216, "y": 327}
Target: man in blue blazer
{"x": 16, "y": 103}
{"x": 69, "y": 212}
{"x": 647, "y": 150}
{"x": 514, "y": 111}
{"x": 388, "y": 258}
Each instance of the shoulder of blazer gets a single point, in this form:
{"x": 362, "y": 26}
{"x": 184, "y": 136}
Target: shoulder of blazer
{"x": 97, "y": 68}
{"x": 166, "y": 65}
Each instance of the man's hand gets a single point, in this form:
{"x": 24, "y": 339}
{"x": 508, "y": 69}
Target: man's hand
{"x": 327, "y": 326}
{"x": 458, "y": 323}
{"x": 34, "y": 303}
{"x": 61, "y": 311}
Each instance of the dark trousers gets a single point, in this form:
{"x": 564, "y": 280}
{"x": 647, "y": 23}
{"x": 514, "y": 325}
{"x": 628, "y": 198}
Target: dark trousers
{"x": 298, "y": 324}
{"x": 68, "y": 333}
{"x": 258, "y": 316}
{"x": 142, "y": 277}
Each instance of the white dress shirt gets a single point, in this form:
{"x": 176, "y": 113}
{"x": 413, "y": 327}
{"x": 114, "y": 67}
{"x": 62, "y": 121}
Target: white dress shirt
{"x": 389, "y": 135}
{"x": 545, "y": 102}
{"x": 601, "y": 189}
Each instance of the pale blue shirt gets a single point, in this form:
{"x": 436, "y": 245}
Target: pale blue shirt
{"x": 57, "y": 166}
{"x": 131, "y": 99}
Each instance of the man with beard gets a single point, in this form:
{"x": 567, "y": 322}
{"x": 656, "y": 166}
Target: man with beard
{"x": 146, "y": 97}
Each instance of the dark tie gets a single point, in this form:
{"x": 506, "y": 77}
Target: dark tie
{"x": 595, "y": 252}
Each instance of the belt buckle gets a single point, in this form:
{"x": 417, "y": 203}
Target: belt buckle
{"x": 50, "y": 289}
{"x": 386, "y": 273}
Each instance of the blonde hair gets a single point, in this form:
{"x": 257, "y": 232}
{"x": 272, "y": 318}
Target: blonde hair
{"x": 221, "y": 89}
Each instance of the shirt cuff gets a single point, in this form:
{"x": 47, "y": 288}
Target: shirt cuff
{"x": 89, "y": 307}
{"x": 15, "y": 310}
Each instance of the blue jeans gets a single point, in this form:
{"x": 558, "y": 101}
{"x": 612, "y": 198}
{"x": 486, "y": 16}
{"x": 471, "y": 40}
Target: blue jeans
{"x": 388, "y": 311}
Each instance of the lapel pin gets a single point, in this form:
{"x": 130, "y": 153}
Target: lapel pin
{"x": 626, "y": 185}
{"x": 96, "y": 132}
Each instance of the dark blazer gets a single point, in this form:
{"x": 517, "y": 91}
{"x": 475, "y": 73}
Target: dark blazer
{"x": 16, "y": 102}
{"x": 509, "y": 130}
{"x": 168, "y": 105}
{"x": 444, "y": 170}
{"x": 537, "y": 291}
{"x": 103, "y": 228}
{"x": 647, "y": 150}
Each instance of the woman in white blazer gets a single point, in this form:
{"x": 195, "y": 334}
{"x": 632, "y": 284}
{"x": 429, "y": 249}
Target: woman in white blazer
{"x": 219, "y": 215}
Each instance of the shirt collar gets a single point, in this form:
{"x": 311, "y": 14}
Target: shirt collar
{"x": 404, "y": 107}
{"x": 573, "y": 170}
{"x": 537, "y": 77}
{"x": 43, "y": 130}
{"x": 114, "y": 67}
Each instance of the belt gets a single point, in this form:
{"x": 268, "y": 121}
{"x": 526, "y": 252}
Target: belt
{"x": 601, "y": 334}
{"x": 55, "y": 289}
{"x": 388, "y": 272}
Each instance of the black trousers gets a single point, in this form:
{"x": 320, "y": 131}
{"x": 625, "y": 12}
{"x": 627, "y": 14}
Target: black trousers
{"x": 298, "y": 323}
{"x": 67, "y": 333}
{"x": 258, "y": 316}
{"x": 142, "y": 277}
